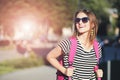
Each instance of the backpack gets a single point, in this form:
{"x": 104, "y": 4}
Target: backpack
{"x": 72, "y": 52}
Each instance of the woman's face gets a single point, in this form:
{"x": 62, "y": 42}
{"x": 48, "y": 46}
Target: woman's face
{"x": 82, "y": 23}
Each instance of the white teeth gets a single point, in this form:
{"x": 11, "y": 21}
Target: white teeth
{"x": 81, "y": 26}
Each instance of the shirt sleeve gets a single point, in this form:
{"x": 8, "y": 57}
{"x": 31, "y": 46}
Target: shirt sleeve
{"x": 65, "y": 45}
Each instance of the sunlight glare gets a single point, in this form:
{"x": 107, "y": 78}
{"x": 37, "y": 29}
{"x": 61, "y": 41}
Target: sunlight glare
{"x": 26, "y": 29}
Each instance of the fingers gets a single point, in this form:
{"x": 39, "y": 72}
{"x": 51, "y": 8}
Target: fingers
{"x": 99, "y": 73}
{"x": 69, "y": 71}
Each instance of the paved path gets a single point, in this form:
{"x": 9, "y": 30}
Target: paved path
{"x": 39, "y": 73}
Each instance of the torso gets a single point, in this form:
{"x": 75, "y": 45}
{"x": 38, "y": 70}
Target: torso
{"x": 84, "y": 61}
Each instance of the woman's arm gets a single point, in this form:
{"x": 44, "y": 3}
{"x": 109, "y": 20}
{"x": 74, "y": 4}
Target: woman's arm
{"x": 52, "y": 59}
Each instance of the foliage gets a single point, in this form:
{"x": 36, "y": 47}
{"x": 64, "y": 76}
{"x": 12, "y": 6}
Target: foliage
{"x": 116, "y": 4}
{"x": 55, "y": 13}
{"x": 5, "y": 69}
{"x": 22, "y": 63}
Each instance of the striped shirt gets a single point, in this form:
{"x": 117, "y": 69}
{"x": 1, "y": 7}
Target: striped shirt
{"x": 84, "y": 61}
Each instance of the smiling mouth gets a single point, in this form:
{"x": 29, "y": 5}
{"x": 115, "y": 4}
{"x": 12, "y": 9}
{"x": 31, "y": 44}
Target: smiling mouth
{"x": 81, "y": 26}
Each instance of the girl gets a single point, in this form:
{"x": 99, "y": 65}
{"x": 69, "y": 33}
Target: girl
{"x": 85, "y": 31}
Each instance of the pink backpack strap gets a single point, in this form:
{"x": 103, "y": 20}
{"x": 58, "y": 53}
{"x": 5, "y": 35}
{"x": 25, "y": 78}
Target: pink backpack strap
{"x": 95, "y": 44}
{"x": 72, "y": 52}
{"x": 73, "y": 47}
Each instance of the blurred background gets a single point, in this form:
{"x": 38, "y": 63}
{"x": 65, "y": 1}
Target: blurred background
{"x": 29, "y": 29}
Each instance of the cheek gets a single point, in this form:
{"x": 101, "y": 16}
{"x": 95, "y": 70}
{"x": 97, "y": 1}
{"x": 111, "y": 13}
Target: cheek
{"x": 77, "y": 26}
{"x": 88, "y": 26}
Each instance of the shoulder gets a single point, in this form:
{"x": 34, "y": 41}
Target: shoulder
{"x": 64, "y": 44}
{"x": 64, "y": 41}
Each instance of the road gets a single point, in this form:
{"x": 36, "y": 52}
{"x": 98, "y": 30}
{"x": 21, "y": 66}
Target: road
{"x": 38, "y": 73}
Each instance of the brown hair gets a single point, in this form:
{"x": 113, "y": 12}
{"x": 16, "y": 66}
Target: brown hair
{"x": 93, "y": 20}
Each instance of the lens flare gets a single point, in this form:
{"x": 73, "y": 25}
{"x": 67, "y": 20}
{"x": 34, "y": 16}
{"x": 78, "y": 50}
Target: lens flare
{"x": 25, "y": 28}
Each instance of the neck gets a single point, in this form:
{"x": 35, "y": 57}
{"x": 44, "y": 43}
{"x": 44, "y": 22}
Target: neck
{"x": 83, "y": 38}
{"x": 85, "y": 42}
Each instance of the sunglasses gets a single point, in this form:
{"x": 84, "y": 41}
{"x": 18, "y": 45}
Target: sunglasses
{"x": 84, "y": 19}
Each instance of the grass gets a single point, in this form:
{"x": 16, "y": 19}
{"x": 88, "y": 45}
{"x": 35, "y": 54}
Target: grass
{"x": 5, "y": 69}
{"x": 21, "y": 63}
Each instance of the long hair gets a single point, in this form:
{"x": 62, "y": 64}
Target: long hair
{"x": 93, "y": 20}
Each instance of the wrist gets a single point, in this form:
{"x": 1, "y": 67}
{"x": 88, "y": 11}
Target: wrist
{"x": 63, "y": 71}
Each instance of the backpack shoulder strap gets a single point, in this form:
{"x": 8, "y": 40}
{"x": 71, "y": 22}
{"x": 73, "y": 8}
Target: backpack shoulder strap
{"x": 72, "y": 52}
{"x": 95, "y": 44}
{"x": 71, "y": 55}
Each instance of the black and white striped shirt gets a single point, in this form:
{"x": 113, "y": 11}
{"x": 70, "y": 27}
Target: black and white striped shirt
{"x": 84, "y": 62}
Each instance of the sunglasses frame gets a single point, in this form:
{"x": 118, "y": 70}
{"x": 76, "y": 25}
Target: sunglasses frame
{"x": 84, "y": 19}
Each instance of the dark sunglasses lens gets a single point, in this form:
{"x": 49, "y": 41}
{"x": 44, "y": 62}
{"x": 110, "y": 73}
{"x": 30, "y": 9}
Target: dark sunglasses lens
{"x": 77, "y": 20}
{"x": 85, "y": 19}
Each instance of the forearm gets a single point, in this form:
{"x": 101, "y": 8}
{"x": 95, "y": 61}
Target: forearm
{"x": 52, "y": 59}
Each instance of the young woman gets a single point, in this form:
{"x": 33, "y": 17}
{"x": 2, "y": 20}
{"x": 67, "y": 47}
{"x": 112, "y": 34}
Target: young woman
{"x": 85, "y": 30}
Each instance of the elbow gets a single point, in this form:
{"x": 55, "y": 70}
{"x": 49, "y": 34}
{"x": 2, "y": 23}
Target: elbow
{"x": 49, "y": 57}
{"x": 52, "y": 56}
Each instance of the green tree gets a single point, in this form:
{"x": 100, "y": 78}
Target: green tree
{"x": 116, "y": 4}
{"x": 57, "y": 13}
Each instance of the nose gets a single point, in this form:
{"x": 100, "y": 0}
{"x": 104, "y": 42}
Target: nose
{"x": 80, "y": 21}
